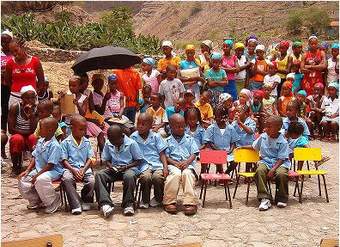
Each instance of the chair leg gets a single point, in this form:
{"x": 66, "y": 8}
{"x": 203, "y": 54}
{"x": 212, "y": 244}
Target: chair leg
{"x": 319, "y": 185}
{"x": 237, "y": 182}
{"x": 301, "y": 188}
{"x": 324, "y": 182}
{"x": 230, "y": 204}
{"x": 248, "y": 186}
{"x": 225, "y": 190}
{"x": 202, "y": 187}
{"x": 308, "y": 168}
{"x": 61, "y": 195}
{"x": 205, "y": 191}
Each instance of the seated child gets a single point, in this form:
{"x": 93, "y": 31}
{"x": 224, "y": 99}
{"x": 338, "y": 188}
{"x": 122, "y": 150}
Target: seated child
{"x": 151, "y": 76}
{"x": 296, "y": 139}
{"x": 158, "y": 113}
{"x": 226, "y": 101}
{"x": 272, "y": 79}
{"x": 285, "y": 98}
{"x": 35, "y": 183}
{"x": 330, "y": 107}
{"x": 76, "y": 159}
{"x": 144, "y": 102}
{"x": 268, "y": 102}
{"x": 43, "y": 91}
{"x": 315, "y": 100}
{"x": 97, "y": 96}
{"x": 205, "y": 108}
{"x": 189, "y": 97}
{"x": 304, "y": 110}
{"x": 56, "y": 113}
{"x": 245, "y": 97}
{"x": 121, "y": 155}
{"x": 4, "y": 140}
{"x": 154, "y": 167}
{"x": 257, "y": 109}
{"x": 181, "y": 156}
{"x": 193, "y": 127}
{"x": 274, "y": 163}
{"x": 244, "y": 126}
{"x": 171, "y": 88}
{"x": 292, "y": 116}
{"x": 178, "y": 107}
{"x": 45, "y": 109}
{"x": 222, "y": 136}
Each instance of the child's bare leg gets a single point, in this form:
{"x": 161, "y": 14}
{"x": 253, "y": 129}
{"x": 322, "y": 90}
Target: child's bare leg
{"x": 204, "y": 168}
{"x": 334, "y": 130}
{"x": 325, "y": 129}
{"x": 101, "y": 141}
{"x": 4, "y": 140}
{"x": 219, "y": 168}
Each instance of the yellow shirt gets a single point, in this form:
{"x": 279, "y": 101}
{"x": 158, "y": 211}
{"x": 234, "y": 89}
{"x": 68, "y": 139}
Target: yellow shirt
{"x": 159, "y": 116}
{"x": 57, "y": 133}
{"x": 164, "y": 62}
{"x": 205, "y": 110}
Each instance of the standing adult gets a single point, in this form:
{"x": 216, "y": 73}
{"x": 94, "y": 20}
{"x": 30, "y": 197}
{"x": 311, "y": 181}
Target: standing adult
{"x": 169, "y": 58}
{"x": 332, "y": 62}
{"x": 204, "y": 57}
{"x": 130, "y": 84}
{"x": 313, "y": 62}
{"x": 22, "y": 70}
{"x": 283, "y": 62}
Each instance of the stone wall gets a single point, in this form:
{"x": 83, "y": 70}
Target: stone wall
{"x": 53, "y": 55}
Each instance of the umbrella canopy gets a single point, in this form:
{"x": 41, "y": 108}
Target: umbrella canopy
{"x": 107, "y": 57}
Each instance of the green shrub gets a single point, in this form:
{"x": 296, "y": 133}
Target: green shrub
{"x": 316, "y": 20}
{"x": 294, "y": 23}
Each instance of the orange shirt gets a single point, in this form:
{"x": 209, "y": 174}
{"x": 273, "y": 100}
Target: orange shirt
{"x": 261, "y": 65}
{"x": 164, "y": 62}
{"x": 129, "y": 82}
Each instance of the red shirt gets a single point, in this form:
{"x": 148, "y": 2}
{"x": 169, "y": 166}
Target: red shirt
{"x": 23, "y": 75}
{"x": 129, "y": 82}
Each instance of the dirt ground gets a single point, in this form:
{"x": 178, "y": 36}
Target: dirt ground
{"x": 213, "y": 226}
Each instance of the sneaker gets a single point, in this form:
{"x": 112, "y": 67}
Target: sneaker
{"x": 86, "y": 206}
{"x": 54, "y": 206}
{"x": 129, "y": 211}
{"x": 154, "y": 203}
{"x": 33, "y": 206}
{"x": 264, "y": 205}
{"x": 107, "y": 210}
{"x": 143, "y": 205}
{"x": 281, "y": 204}
{"x": 76, "y": 211}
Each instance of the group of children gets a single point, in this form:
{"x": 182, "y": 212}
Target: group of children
{"x": 184, "y": 106}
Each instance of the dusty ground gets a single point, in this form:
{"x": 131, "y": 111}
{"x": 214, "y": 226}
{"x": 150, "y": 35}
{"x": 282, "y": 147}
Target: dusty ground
{"x": 216, "y": 225}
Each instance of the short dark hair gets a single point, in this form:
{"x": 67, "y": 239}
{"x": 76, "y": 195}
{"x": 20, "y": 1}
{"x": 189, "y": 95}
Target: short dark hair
{"x": 194, "y": 110}
{"x": 295, "y": 128}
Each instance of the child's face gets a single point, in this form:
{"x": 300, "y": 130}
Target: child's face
{"x": 28, "y": 98}
{"x": 192, "y": 119}
{"x": 228, "y": 103}
{"x": 331, "y": 91}
{"x": 42, "y": 88}
{"x": 219, "y": 118}
{"x": 56, "y": 113}
{"x": 297, "y": 50}
{"x": 313, "y": 44}
{"x": 216, "y": 63}
{"x": 257, "y": 100}
{"x": 190, "y": 55}
{"x": 286, "y": 91}
{"x": 301, "y": 98}
{"x": 260, "y": 54}
{"x": 251, "y": 47}
{"x": 204, "y": 48}
{"x": 226, "y": 49}
{"x": 112, "y": 85}
{"x": 335, "y": 52}
{"x": 146, "y": 67}
{"x": 267, "y": 91}
{"x": 78, "y": 129}
{"x": 171, "y": 74}
{"x": 283, "y": 49}
{"x": 204, "y": 98}
{"x": 178, "y": 127}
{"x": 143, "y": 126}
{"x": 243, "y": 98}
{"x": 272, "y": 70}
{"x": 188, "y": 98}
{"x": 43, "y": 112}
{"x": 46, "y": 130}
{"x": 291, "y": 111}
{"x": 74, "y": 86}
{"x": 295, "y": 68}
{"x": 116, "y": 140}
{"x": 146, "y": 92}
{"x": 293, "y": 135}
{"x": 154, "y": 100}
{"x": 98, "y": 84}
{"x": 239, "y": 52}
{"x": 318, "y": 91}
{"x": 273, "y": 129}
{"x": 166, "y": 50}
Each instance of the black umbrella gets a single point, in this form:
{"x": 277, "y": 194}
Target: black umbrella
{"x": 107, "y": 57}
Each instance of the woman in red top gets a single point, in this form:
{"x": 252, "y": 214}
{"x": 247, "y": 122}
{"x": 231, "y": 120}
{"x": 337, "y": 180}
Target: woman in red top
{"x": 22, "y": 70}
{"x": 313, "y": 62}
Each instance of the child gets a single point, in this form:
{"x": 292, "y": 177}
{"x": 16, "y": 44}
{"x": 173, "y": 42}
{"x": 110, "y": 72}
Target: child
{"x": 330, "y": 107}
{"x": 257, "y": 109}
{"x": 292, "y": 116}
{"x": 216, "y": 78}
{"x": 56, "y": 113}
{"x": 179, "y": 107}
{"x": 76, "y": 159}
{"x": 157, "y": 112}
{"x": 151, "y": 76}
{"x": 171, "y": 88}
{"x": 274, "y": 163}
{"x": 315, "y": 100}
{"x": 43, "y": 91}
{"x": 304, "y": 109}
{"x": 268, "y": 102}
{"x": 193, "y": 121}
{"x": 272, "y": 79}
{"x": 154, "y": 167}
{"x": 226, "y": 101}
{"x": 296, "y": 139}
{"x": 188, "y": 99}
{"x": 35, "y": 183}
{"x": 205, "y": 108}
{"x": 144, "y": 102}
{"x": 297, "y": 77}
{"x": 332, "y": 71}
{"x": 4, "y": 140}
{"x": 222, "y": 136}
{"x": 181, "y": 156}
{"x": 285, "y": 98}
{"x": 243, "y": 64}
{"x": 97, "y": 96}
{"x": 121, "y": 155}
{"x": 259, "y": 69}
{"x": 244, "y": 126}
{"x": 245, "y": 98}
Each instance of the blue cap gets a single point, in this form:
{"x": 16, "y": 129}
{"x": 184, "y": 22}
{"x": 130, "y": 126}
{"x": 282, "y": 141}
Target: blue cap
{"x": 112, "y": 77}
{"x": 149, "y": 60}
{"x": 216, "y": 56}
{"x": 335, "y": 46}
{"x": 302, "y": 92}
{"x": 228, "y": 42}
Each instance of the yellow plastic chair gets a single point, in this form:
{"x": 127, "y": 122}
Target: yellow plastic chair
{"x": 310, "y": 154}
{"x": 245, "y": 155}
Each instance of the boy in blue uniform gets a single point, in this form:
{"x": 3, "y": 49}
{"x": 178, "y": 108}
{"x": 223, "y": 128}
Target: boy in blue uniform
{"x": 193, "y": 120}
{"x": 35, "y": 183}
{"x": 244, "y": 126}
{"x": 154, "y": 167}
{"x": 76, "y": 159}
{"x": 122, "y": 156}
{"x": 274, "y": 163}
{"x": 222, "y": 136}
{"x": 181, "y": 156}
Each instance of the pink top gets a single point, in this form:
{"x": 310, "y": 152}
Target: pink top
{"x": 152, "y": 80}
{"x": 229, "y": 62}
{"x": 113, "y": 104}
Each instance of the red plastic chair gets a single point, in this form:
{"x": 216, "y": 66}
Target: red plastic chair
{"x": 216, "y": 157}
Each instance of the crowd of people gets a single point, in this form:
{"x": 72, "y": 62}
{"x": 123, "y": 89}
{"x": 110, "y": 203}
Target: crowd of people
{"x": 150, "y": 123}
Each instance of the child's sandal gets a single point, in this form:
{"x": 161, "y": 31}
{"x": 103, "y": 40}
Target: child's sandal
{"x": 171, "y": 208}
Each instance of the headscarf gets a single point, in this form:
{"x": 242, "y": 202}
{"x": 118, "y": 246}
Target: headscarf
{"x": 289, "y": 85}
{"x": 216, "y": 56}
{"x": 302, "y": 92}
{"x": 258, "y": 93}
{"x": 252, "y": 40}
{"x": 167, "y": 43}
{"x": 189, "y": 47}
{"x": 319, "y": 85}
{"x": 334, "y": 84}
{"x": 98, "y": 76}
{"x": 247, "y": 92}
{"x": 208, "y": 43}
{"x": 335, "y": 46}
{"x": 149, "y": 61}
{"x": 252, "y": 36}
{"x": 297, "y": 43}
{"x": 312, "y": 37}
{"x": 112, "y": 77}
{"x": 7, "y": 32}
{"x": 223, "y": 98}
{"x": 260, "y": 48}
{"x": 324, "y": 45}
{"x": 291, "y": 76}
{"x": 26, "y": 89}
{"x": 284, "y": 43}
{"x": 228, "y": 42}
{"x": 239, "y": 45}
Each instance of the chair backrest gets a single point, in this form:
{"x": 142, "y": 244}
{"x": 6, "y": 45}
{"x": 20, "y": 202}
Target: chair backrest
{"x": 213, "y": 156}
{"x": 55, "y": 240}
{"x": 246, "y": 155}
{"x": 307, "y": 154}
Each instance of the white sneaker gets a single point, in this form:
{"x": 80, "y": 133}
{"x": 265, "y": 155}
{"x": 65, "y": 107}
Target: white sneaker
{"x": 154, "y": 203}
{"x": 86, "y": 206}
{"x": 54, "y": 206}
{"x": 143, "y": 205}
{"x": 129, "y": 211}
{"x": 264, "y": 205}
{"x": 107, "y": 210}
{"x": 281, "y": 204}
{"x": 76, "y": 211}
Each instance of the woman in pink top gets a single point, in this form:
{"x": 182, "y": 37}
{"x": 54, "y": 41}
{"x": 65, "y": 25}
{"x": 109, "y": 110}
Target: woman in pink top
{"x": 230, "y": 65}
{"x": 22, "y": 70}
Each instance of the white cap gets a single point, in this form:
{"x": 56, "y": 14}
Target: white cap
{"x": 260, "y": 48}
{"x": 167, "y": 43}
{"x": 7, "y": 32}
{"x": 26, "y": 89}
{"x": 290, "y": 76}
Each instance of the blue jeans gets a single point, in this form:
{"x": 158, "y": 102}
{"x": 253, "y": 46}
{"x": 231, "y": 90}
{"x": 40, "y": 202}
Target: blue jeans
{"x": 230, "y": 88}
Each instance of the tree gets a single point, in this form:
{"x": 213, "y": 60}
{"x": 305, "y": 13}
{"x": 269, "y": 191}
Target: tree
{"x": 295, "y": 21}
{"x": 316, "y": 20}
